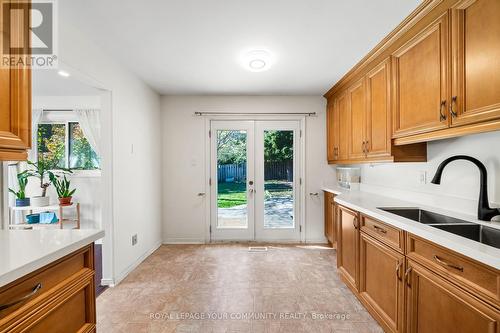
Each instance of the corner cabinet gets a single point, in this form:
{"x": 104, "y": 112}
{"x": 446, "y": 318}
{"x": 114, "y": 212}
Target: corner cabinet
{"x": 15, "y": 97}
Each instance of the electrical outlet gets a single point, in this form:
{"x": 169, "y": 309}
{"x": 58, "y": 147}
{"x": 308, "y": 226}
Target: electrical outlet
{"x": 134, "y": 239}
{"x": 422, "y": 177}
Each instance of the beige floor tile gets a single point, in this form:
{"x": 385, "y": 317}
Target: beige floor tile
{"x": 222, "y": 280}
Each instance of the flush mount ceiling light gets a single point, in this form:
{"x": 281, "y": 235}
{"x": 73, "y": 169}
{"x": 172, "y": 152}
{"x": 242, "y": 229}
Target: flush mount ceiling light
{"x": 257, "y": 60}
{"x": 63, "y": 73}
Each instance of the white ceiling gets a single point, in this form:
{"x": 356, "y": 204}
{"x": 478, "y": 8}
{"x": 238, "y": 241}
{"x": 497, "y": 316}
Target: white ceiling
{"x": 47, "y": 82}
{"x": 193, "y": 46}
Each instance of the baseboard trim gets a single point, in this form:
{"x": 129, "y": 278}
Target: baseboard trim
{"x": 119, "y": 278}
{"x": 170, "y": 241}
{"x": 108, "y": 282}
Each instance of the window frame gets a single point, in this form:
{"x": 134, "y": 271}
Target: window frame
{"x": 65, "y": 117}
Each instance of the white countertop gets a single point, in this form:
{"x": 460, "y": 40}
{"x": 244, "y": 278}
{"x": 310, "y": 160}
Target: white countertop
{"x": 368, "y": 203}
{"x": 24, "y": 251}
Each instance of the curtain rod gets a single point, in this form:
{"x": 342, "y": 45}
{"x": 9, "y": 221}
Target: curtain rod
{"x": 308, "y": 114}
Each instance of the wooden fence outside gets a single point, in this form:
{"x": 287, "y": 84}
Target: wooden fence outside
{"x": 272, "y": 171}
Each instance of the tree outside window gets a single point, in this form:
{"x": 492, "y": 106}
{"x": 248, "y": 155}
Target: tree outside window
{"x": 65, "y": 146}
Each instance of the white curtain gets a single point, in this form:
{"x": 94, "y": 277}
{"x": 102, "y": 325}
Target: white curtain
{"x": 36, "y": 116}
{"x": 90, "y": 124}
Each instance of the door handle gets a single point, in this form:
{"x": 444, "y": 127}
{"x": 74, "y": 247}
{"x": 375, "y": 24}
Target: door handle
{"x": 313, "y": 194}
{"x": 453, "y": 102}
{"x": 201, "y": 194}
{"x": 251, "y": 190}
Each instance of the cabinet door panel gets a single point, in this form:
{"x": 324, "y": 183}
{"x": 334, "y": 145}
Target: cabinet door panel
{"x": 420, "y": 81}
{"x": 329, "y": 217}
{"x": 378, "y": 113}
{"x": 331, "y": 126}
{"x": 435, "y": 305}
{"x": 380, "y": 281}
{"x": 343, "y": 121}
{"x": 476, "y": 61}
{"x": 15, "y": 96}
{"x": 347, "y": 246}
{"x": 357, "y": 116}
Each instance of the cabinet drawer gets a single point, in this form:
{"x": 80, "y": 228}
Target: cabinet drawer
{"x": 70, "y": 310}
{"x": 391, "y": 236}
{"x": 46, "y": 278}
{"x": 481, "y": 280}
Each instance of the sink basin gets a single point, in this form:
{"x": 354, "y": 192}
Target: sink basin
{"x": 470, "y": 230}
{"x": 424, "y": 216}
{"x": 476, "y": 232}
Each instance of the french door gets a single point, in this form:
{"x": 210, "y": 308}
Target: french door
{"x": 254, "y": 180}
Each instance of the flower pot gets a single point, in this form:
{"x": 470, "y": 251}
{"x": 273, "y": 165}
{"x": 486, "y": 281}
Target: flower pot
{"x": 65, "y": 201}
{"x": 22, "y": 202}
{"x": 40, "y": 201}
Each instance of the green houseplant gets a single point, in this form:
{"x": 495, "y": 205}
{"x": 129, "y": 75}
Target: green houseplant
{"x": 22, "y": 180}
{"x": 42, "y": 170}
{"x": 63, "y": 189}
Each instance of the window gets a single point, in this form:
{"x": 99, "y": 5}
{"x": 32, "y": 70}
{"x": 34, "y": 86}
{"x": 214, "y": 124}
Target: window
{"x": 63, "y": 145}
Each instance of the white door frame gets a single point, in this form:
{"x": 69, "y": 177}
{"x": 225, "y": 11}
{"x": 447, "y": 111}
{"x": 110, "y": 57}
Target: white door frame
{"x": 301, "y": 214}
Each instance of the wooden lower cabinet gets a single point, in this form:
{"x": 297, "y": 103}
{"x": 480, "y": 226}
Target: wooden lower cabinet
{"x": 330, "y": 232}
{"x": 436, "y": 305}
{"x": 381, "y": 286}
{"x": 348, "y": 246}
{"x": 58, "y": 298}
{"x": 411, "y": 285}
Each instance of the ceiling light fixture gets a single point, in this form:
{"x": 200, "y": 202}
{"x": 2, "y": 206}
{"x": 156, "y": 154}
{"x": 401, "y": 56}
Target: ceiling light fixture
{"x": 63, "y": 73}
{"x": 257, "y": 60}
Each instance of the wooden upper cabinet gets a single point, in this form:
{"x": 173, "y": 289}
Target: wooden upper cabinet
{"x": 378, "y": 113}
{"x": 347, "y": 245}
{"x": 357, "y": 120}
{"x": 436, "y": 305}
{"x": 475, "y": 37}
{"x": 15, "y": 96}
{"x": 331, "y": 123}
{"x": 420, "y": 72}
{"x": 342, "y": 112}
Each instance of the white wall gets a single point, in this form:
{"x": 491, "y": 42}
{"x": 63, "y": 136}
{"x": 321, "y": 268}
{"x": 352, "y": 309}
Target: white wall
{"x": 459, "y": 189}
{"x": 135, "y": 145}
{"x": 183, "y": 146}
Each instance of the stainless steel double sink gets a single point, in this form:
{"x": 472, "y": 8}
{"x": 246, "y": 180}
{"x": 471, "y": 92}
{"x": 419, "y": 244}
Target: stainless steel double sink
{"x": 470, "y": 230}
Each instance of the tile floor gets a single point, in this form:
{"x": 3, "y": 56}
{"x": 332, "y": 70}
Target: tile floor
{"x": 287, "y": 289}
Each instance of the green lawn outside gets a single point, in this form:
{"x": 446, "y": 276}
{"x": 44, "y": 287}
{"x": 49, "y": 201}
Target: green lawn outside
{"x": 234, "y": 194}
{"x": 231, "y": 194}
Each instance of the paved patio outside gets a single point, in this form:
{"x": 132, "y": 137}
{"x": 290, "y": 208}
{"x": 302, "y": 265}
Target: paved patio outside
{"x": 278, "y": 213}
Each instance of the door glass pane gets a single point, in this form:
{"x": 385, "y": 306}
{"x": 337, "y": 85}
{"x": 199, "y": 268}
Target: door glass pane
{"x": 81, "y": 154}
{"x": 232, "y": 179}
{"x": 278, "y": 179}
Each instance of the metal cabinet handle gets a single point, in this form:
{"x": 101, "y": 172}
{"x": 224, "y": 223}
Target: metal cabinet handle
{"x": 407, "y": 276}
{"x": 453, "y": 102}
{"x": 379, "y": 229}
{"x": 448, "y": 264}
{"x": 367, "y": 147}
{"x": 22, "y": 299}
{"x": 355, "y": 223}
{"x": 442, "y": 116}
{"x": 398, "y": 270}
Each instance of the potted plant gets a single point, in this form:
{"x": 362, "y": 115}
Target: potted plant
{"x": 63, "y": 191}
{"x": 22, "y": 180}
{"x": 42, "y": 170}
